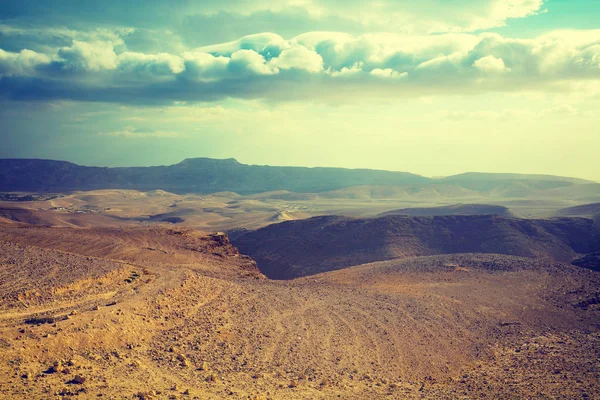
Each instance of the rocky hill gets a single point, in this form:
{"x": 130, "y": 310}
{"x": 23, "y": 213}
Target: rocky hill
{"x": 306, "y": 247}
{"x": 171, "y": 313}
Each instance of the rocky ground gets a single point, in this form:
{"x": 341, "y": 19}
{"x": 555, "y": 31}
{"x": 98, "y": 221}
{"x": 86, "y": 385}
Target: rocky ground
{"x": 191, "y": 318}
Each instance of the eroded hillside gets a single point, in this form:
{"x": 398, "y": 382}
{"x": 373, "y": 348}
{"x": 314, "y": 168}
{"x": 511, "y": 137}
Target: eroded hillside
{"x": 306, "y": 247}
{"x": 179, "y": 314}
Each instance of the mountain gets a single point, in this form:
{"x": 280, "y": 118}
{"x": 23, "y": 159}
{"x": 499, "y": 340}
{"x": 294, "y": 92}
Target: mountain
{"x": 197, "y": 175}
{"x": 306, "y": 247}
{"x": 205, "y": 175}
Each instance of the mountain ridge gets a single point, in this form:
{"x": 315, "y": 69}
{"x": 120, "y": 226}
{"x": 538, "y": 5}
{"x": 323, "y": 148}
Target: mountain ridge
{"x": 208, "y": 175}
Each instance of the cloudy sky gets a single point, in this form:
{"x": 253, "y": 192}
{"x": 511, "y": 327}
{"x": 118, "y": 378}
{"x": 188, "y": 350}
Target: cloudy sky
{"x": 434, "y": 87}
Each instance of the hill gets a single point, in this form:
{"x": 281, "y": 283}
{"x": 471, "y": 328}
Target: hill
{"x": 170, "y": 313}
{"x": 517, "y": 185}
{"x": 306, "y": 247}
{"x": 584, "y": 210}
{"x": 456, "y": 209}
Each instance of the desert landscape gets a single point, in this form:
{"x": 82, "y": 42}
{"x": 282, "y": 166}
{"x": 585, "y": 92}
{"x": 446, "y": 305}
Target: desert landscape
{"x": 299, "y": 200}
{"x": 65, "y": 194}
{"x": 121, "y": 293}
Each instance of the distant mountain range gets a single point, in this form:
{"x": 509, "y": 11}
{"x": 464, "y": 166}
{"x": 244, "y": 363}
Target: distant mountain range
{"x": 205, "y": 175}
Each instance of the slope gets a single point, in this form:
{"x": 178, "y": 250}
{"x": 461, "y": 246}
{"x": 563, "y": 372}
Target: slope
{"x": 306, "y": 247}
{"x": 455, "y": 326}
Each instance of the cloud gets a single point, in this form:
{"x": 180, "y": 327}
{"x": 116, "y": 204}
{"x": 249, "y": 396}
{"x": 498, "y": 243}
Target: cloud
{"x": 150, "y": 64}
{"x": 267, "y": 44}
{"x": 83, "y": 56}
{"x": 204, "y": 66}
{"x": 490, "y": 64}
{"x": 300, "y": 58}
{"x": 318, "y": 64}
{"x": 227, "y": 19}
{"x": 139, "y": 133}
{"x": 22, "y": 63}
{"x": 387, "y": 73}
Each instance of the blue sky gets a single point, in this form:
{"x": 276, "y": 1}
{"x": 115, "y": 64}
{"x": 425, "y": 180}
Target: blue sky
{"x": 431, "y": 87}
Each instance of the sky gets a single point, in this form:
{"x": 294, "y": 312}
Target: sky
{"x": 433, "y": 87}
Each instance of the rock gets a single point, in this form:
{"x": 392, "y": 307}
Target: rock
{"x": 78, "y": 380}
{"x": 145, "y": 395}
{"x": 56, "y": 367}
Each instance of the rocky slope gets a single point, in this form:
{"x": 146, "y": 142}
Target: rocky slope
{"x": 306, "y": 247}
{"x": 109, "y": 314}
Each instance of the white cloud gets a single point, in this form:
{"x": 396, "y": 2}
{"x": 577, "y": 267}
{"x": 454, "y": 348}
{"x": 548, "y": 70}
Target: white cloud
{"x": 426, "y": 64}
{"x": 23, "y": 63}
{"x": 250, "y": 62}
{"x": 151, "y": 64}
{"x": 299, "y": 57}
{"x": 490, "y": 64}
{"x": 347, "y": 72}
{"x": 84, "y": 56}
{"x": 387, "y": 73}
{"x": 205, "y": 67}
{"x": 265, "y": 43}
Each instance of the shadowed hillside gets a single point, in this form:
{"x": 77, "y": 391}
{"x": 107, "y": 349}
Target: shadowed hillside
{"x": 456, "y": 209}
{"x": 299, "y": 248}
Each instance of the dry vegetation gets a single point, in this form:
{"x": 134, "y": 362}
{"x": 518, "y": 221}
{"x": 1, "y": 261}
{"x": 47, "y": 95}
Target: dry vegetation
{"x": 178, "y": 314}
